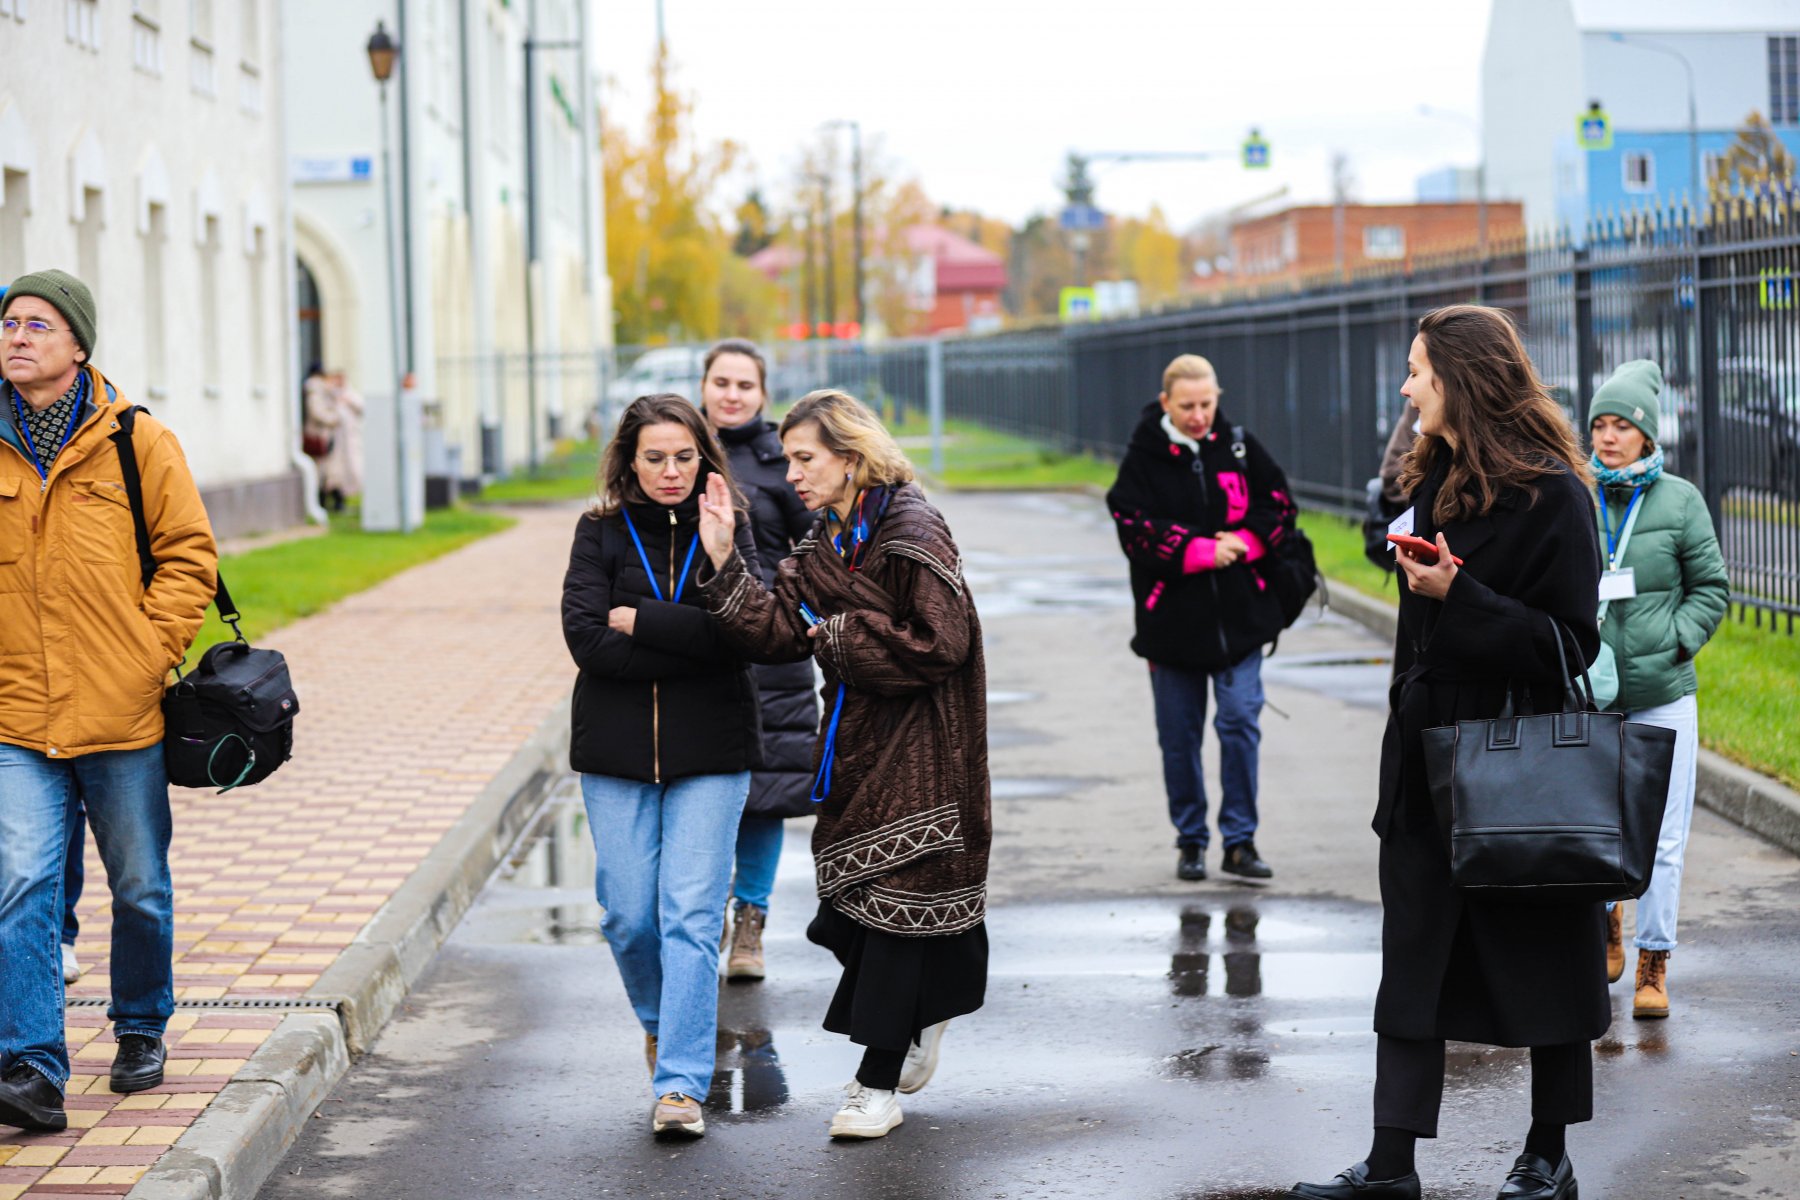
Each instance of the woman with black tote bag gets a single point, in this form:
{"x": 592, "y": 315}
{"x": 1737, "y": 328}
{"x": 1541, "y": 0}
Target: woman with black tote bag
{"x": 1499, "y": 486}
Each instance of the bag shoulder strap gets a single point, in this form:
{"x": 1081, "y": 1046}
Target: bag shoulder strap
{"x": 134, "y": 491}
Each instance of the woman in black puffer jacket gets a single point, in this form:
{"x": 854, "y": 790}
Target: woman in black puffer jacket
{"x": 736, "y": 396}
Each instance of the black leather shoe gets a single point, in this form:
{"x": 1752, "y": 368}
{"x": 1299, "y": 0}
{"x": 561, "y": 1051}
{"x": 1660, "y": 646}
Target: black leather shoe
{"x": 1192, "y": 866}
{"x": 138, "y": 1064}
{"x": 1242, "y": 860}
{"x": 32, "y": 1102}
{"x": 1533, "y": 1178}
{"x": 1355, "y": 1184}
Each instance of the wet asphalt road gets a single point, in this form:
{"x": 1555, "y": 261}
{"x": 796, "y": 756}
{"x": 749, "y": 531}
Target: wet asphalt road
{"x": 1142, "y": 1037}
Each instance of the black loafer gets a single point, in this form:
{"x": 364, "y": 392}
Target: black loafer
{"x": 138, "y": 1064}
{"x": 1355, "y": 1184}
{"x": 30, "y": 1101}
{"x": 1533, "y": 1178}
{"x": 1243, "y": 861}
{"x": 1192, "y": 866}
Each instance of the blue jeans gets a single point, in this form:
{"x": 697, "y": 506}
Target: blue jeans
{"x": 1660, "y": 905}
{"x": 1181, "y": 723}
{"x": 127, "y": 798}
{"x": 74, "y": 870}
{"x": 758, "y": 854}
{"x": 663, "y": 857}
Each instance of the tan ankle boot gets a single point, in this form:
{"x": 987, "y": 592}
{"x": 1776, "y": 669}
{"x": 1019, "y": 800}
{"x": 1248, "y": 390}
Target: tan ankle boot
{"x": 1652, "y": 1000}
{"x": 746, "y": 961}
{"x": 1615, "y": 943}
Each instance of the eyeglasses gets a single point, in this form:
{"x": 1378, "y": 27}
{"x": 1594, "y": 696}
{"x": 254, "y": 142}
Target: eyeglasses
{"x": 655, "y": 459}
{"x": 33, "y": 330}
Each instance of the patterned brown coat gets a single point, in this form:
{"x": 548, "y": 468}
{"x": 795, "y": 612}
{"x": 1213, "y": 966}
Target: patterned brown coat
{"x": 902, "y": 839}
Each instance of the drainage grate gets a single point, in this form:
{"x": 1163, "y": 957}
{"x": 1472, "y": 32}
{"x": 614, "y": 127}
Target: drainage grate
{"x": 275, "y": 1002}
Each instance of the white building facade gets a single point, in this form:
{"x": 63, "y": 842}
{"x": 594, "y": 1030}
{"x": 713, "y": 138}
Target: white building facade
{"x": 1546, "y": 61}
{"x": 471, "y": 201}
{"x": 140, "y": 149}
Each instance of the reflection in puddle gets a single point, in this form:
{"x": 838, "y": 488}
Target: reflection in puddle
{"x": 1032, "y": 788}
{"x": 1361, "y": 680}
{"x": 747, "y": 1078}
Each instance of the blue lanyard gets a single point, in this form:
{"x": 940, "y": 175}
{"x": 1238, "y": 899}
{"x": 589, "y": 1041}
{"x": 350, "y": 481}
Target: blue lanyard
{"x": 651, "y": 571}
{"x": 821, "y": 787}
{"x": 25, "y": 428}
{"x": 1612, "y": 539}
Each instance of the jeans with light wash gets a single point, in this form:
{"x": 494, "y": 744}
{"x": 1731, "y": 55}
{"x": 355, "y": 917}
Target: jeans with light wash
{"x": 1180, "y": 697}
{"x": 1660, "y": 904}
{"x": 127, "y": 798}
{"x": 758, "y": 854}
{"x": 663, "y": 855}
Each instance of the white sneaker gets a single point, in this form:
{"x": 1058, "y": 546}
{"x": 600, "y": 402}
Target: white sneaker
{"x": 867, "y": 1113}
{"x": 922, "y": 1058}
{"x": 71, "y": 968}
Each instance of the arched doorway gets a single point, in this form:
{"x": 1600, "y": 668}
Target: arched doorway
{"x": 310, "y": 322}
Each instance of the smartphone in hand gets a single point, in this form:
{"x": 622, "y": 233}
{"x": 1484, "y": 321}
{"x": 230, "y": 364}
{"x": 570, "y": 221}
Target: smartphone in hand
{"x": 1427, "y": 551}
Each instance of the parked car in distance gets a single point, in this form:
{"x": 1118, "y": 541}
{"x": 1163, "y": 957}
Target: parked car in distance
{"x": 665, "y": 369}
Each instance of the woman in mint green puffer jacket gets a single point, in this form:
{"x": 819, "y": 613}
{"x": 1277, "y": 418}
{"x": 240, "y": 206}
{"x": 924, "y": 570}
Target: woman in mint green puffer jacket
{"x": 1668, "y": 589}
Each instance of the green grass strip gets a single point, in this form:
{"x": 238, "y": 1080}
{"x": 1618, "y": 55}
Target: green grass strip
{"x": 568, "y": 474}
{"x": 276, "y": 585}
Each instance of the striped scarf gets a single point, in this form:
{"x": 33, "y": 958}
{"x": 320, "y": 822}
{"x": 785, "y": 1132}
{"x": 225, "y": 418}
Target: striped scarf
{"x": 1642, "y": 473}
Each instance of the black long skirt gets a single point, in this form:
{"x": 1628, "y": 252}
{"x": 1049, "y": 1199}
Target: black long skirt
{"x": 894, "y": 986}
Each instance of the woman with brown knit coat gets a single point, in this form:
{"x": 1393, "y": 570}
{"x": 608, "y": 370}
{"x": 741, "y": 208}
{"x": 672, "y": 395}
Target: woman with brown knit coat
{"x": 876, "y": 594}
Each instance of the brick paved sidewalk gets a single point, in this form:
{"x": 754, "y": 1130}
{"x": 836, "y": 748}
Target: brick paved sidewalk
{"x": 413, "y": 695}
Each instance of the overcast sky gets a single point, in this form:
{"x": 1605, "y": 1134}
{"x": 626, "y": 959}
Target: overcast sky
{"x": 980, "y": 99}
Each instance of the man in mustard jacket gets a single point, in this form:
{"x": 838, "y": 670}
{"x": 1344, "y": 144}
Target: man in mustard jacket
{"x": 85, "y": 649}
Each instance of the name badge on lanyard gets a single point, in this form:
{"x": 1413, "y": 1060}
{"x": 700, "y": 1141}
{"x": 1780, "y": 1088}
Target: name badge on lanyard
{"x": 1620, "y": 584}
{"x": 1400, "y": 524}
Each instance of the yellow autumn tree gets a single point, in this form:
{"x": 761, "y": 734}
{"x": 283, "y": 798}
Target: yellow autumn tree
{"x": 1150, "y": 253}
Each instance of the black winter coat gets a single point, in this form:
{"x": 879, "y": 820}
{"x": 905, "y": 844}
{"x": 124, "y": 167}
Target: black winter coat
{"x": 790, "y": 706}
{"x": 1167, "y": 504}
{"x": 1454, "y": 966}
{"x": 672, "y": 699}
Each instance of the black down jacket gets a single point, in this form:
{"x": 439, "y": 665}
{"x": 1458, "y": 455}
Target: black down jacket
{"x": 790, "y": 705}
{"x": 672, "y": 699}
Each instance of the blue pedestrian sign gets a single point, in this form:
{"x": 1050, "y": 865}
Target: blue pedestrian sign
{"x": 1079, "y": 218}
{"x": 1256, "y": 152}
{"x": 1593, "y": 129}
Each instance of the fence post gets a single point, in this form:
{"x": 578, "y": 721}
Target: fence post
{"x": 1708, "y": 298}
{"x": 934, "y": 401}
{"x": 1585, "y": 357}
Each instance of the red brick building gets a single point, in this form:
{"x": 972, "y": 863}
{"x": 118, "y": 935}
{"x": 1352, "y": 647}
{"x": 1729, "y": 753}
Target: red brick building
{"x": 1300, "y": 243}
{"x": 952, "y": 283}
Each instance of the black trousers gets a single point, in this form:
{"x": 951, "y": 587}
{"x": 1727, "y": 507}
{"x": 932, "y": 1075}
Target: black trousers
{"x": 1409, "y": 1084}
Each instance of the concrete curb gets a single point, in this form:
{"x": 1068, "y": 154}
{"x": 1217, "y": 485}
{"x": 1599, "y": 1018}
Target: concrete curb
{"x": 235, "y": 1145}
{"x": 1761, "y": 805}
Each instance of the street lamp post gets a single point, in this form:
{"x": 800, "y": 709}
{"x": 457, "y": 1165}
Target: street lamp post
{"x": 383, "y": 52}
{"x": 1481, "y": 196}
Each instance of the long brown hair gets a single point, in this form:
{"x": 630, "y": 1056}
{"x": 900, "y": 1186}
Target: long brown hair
{"x": 618, "y": 485}
{"x": 1509, "y": 430}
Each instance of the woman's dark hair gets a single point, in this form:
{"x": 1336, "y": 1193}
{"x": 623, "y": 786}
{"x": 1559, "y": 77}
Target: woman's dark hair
{"x": 618, "y": 485}
{"x": 1509, "y": 431}
{"x": 737, "y": 346}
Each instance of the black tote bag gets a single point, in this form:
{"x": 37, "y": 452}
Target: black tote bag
{"x": 1552, "y": 808}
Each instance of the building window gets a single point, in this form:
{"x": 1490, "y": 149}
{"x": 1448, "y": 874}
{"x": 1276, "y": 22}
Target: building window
{"x": 12, "y": 224}
{"x": 1384, "y": 241}
{"x": 1639, "y": 171}
{"x": 259, "y": 334}
{"x": 87, "y": 239}
{"x": 250, "y": 32}
{"x": 203, "y": 77}
{"x": 209, "y": 306}
{"x": 156, "y": 336}
{"x": 13, "y": 8}
{"x": 1784, "y": 80}
{"x": 81, "y": 21}
{"x": 146, "y": 39}
{"x": 250, "y": 89}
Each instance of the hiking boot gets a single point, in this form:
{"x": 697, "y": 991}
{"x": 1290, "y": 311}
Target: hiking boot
{"x": 138, "y": 1064}
{"x": 1243, "y": 861}
{"x": 1192, "y": 865}
{"x": 650, "y": 1053}
{"x": 1652, "y": 999}
{"x": 746, "y": 961}
{"x": 30, "y": 1101}
{"x": 677, "y": 1115}
{"x": 1615, "y": 943}
{"x": 71, "y": 966}
{"x": 922, "y": 1058}
{"x": 867, "y": 1112}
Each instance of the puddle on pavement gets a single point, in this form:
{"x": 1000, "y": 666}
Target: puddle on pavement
{"x": 1005, "y": 585}
{"x": 1027, "y": 787}
{"x": 1360, "y": 680}
{"x": 997, "y": 697}
{"x": 748, "y": 1077}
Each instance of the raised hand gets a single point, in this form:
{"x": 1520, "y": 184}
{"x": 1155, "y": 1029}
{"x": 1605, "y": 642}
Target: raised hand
{"x": 718, "y": 521}
{"x": 1431, "y": 579}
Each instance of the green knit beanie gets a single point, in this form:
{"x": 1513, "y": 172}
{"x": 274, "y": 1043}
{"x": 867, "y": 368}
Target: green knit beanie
{"x": 67, "y": 294}
{"x": 1631, "y": 396}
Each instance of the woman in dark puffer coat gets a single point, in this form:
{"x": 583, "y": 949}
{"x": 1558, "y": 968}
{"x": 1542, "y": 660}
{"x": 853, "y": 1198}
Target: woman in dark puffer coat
{"x": 736, "y": 395}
